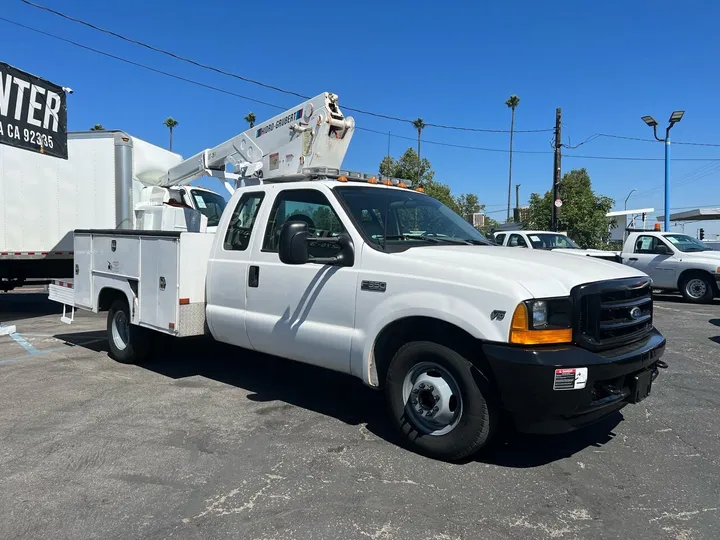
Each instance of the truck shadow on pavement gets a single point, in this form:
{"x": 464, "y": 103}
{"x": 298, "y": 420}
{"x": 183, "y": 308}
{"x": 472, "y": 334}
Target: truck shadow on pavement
{"x": 270, "y": 379}
{"x": 24, "y": 305}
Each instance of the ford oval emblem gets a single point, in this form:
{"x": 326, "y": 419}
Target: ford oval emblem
{"x": 635, "y": 313}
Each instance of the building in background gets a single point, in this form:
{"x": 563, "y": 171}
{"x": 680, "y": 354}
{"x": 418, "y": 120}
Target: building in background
{"x": 477, "y": 220}
{"x": 521, "y": 214}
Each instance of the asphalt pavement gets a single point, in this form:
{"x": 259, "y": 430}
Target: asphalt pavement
{"x": 209, "y": 441}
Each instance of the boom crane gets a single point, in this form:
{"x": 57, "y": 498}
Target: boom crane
{"x": 312, "y": 134}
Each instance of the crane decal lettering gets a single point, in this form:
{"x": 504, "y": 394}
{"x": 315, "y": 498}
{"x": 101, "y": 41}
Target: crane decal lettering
{"x": 297, "y": 115}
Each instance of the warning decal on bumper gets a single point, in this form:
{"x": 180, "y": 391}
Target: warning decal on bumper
{"x": 570, "y": 378}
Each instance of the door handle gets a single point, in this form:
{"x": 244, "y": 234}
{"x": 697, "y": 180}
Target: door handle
{"x": 632, "y": 259}
{"x": 254, "y": 276}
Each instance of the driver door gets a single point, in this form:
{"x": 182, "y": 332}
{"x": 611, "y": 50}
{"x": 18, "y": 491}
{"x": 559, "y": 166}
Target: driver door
{"x": 302, "y": 312}
{"x": 649, "y": 256}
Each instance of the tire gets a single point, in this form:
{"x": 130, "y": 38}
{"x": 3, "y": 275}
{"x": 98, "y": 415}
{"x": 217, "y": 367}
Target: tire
{"x": 129, "y": 344}
{"x": 697, "y": 288}
{"x": 463, "y": 406}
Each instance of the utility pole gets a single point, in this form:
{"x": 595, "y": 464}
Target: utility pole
{"x": 517, "y": 198}
{"x": 557, "y": 165}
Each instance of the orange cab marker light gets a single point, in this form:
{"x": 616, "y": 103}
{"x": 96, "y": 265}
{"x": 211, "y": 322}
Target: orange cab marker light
{"x": 388, "y": 182}
{"x": 372, "y": 180}
{"x": 520, "y": 335}
{"x": 401, "y": 184}
{"x": 184, "y": 301}
{"x": 342, "y": 179}
{"x": 421, "y": 190}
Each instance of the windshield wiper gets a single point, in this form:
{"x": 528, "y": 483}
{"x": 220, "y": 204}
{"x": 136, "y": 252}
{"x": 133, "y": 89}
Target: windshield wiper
{"x": 438, "y": 240}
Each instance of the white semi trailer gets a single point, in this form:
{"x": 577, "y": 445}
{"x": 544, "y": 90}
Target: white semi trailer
{"x": 108, "y": 182}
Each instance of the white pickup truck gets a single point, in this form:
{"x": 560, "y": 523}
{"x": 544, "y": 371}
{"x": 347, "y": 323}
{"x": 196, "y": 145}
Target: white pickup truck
{"x": 550, "y": 241}
{"x": 675, "y": 262}
{"x": 326, "y": 270}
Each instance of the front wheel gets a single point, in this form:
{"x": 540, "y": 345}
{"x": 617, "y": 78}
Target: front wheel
{"x": 129, "y": 344}
{"x": 698, "y": 288}
{"x": 440, "y": 407}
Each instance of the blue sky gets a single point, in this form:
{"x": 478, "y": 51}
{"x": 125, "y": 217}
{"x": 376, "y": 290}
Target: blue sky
{"x": 604, "y": 63}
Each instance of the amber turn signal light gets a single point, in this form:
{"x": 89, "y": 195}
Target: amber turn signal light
{"x": 521, "y": 335}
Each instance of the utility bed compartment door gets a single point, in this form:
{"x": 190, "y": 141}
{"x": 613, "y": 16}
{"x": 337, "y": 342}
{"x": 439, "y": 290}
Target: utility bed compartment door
{"x": 116, "y": 255}
{"x": 158, "y": 286}
{"x": 82, "y": 271}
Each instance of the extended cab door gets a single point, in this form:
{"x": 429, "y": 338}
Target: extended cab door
{"x": 303, "y": 312}
{"x": 228, "y": 271}
{"x": 652, "y": 255}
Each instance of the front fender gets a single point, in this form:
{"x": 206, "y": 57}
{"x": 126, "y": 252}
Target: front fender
{"x": 473, "y": 319}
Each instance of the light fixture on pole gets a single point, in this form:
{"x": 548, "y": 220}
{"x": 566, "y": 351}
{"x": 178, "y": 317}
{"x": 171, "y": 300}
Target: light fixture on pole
{"x": 675, "y": 117}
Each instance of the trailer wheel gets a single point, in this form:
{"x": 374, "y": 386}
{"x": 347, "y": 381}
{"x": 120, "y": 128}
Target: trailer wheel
{"x": 697, "y": 287}
{"x": 442, "y": 408}
{"x": 129, "y": 344}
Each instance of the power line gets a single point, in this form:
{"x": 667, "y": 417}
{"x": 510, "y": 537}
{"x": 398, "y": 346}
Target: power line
{"x": 273, "y": 105}
{"x": 137, "y": 64}
{"x": 256, "y": 82}
{"x": 640, "y": 139}
{"x": 451, "y": 145}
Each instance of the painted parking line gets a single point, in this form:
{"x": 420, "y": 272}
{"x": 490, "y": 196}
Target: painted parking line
{"x": 41, "y": 352}
{"x": 24, "y": 343}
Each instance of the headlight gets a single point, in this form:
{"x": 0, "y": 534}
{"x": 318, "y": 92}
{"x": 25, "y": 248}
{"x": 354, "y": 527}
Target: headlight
{"x": 542, "y": 322}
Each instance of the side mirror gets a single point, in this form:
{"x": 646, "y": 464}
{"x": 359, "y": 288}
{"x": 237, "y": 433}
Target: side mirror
{"x": 662, "y": 249}
{"x": 293, "y": 247}
{"x": 294, "y": 242}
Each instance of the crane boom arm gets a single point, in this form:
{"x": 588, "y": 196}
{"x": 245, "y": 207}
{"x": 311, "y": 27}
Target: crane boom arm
{"x": 312, "y": 134}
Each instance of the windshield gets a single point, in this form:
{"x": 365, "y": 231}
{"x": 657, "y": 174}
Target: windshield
{"x": 686, "y": 244}
{"x": 551, "y": 241}
{"x": 398, "y": 219}
{"x": 210, "y": 204}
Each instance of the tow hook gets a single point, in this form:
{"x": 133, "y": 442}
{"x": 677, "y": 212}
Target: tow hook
{"x": 661, "y": 364}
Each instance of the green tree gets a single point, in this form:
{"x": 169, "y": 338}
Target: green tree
{"x": 171, "y": 124}
{"x": 250, "y": 119}
{"x": 582, "y": 214}
{"x": 97, "y": 127}
{"x": 468, "y": 204}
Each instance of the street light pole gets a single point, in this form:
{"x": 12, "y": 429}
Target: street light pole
{"x": 675, "y": 117}
{"x": 626, "y": 198}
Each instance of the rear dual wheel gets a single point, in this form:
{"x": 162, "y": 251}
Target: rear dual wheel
{"x": 443, "y": 406}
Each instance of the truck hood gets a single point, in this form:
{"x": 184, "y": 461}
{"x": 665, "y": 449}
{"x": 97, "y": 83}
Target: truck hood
{"x": 705, "y": 257}
{"x": 542, "y": 273}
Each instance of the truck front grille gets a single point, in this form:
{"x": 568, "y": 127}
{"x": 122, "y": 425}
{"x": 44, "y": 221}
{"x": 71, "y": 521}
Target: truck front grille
{"x": 614, "y": 313}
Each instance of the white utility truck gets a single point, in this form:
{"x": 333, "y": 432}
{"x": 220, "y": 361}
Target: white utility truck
{"x": 321, "y": 265}
{"x": 675, "y": 262}
{"x": 550, "y": 241}
{"x": 109, "y": 181}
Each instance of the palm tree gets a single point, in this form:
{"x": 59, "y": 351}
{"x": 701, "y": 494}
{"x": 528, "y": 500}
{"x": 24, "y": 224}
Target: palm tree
{"x": 97, "y": 127}
{"x": 419, "y": 125}
{"x": 512, "y": 102}
{"x": 250, "y": 119}
{"x": 171, "y": 124}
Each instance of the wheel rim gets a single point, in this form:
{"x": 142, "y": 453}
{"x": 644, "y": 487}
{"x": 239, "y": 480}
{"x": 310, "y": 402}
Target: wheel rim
{"x": 432, "y": 398}
{"x": 696, "y": 288}
{"x": 120, "y": 330}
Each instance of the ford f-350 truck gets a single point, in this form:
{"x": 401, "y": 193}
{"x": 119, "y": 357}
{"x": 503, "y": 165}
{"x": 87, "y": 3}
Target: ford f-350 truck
{"x": 328, "y": 270}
